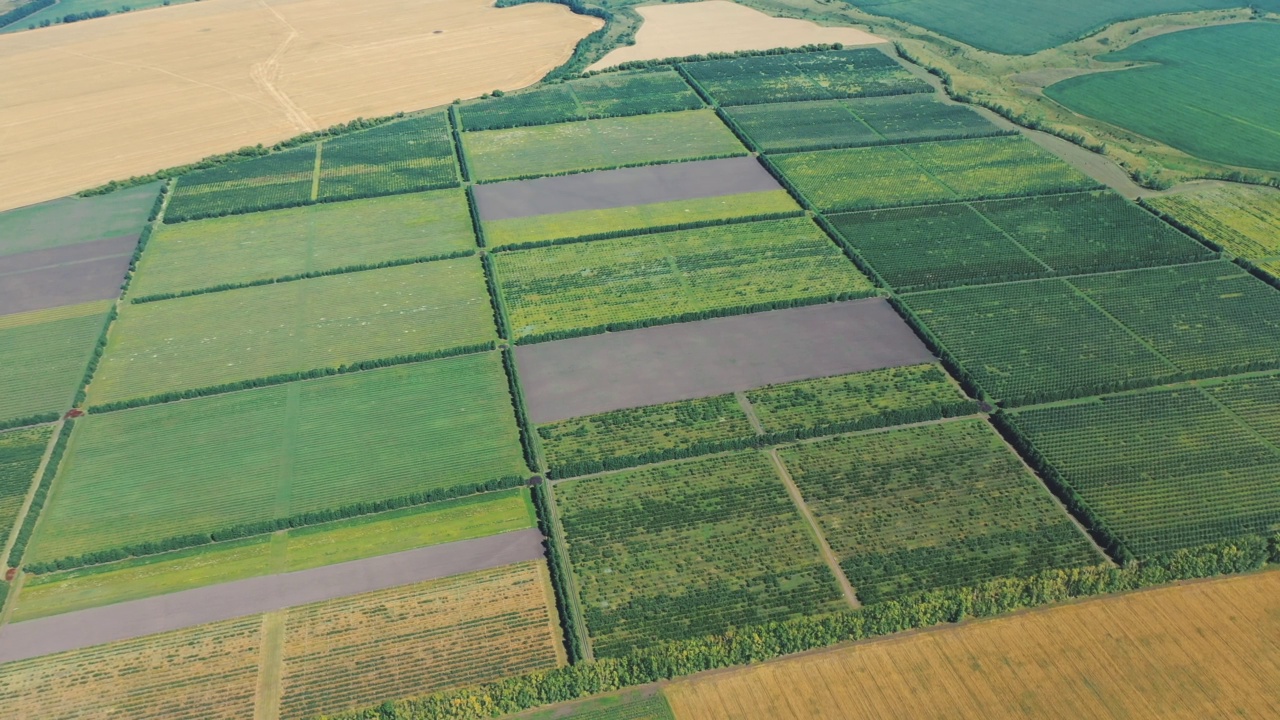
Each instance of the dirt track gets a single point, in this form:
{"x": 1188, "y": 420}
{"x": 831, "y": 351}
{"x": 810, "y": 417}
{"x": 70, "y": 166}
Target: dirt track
{"x": 588, "y": 375}
{"x": 178, "y": 610}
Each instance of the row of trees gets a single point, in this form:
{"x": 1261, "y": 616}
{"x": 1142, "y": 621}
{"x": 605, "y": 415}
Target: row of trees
{"x": 24, "y": 10}
{"x": 651, "y": 230}
{"x": 645, "y": 163}
{"x": 41, "y": 494}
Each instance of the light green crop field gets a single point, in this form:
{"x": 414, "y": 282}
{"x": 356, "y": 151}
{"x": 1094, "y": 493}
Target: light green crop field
{"x": 43, "y": 354}
{"x": 498, "y": 233}
{"x": 261, "y": 246}
{"x": 585, "y": 286}
{"x": 1240, "y": 218}
{"x": 297, "y": 549}
{"x": 236, "y": 335}
{"x": 597, "y": 144}
{"x": 211, "y": 463}
{"x": 68, "y": 221}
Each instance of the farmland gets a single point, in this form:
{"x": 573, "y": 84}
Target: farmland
{"x": 201, "y": 341}
{"x": 43, "y": 354}
{"x": 803, "y": 76}
{"x": 404, "y": 156}
{"x": 211, "y": 463}
{"x": 263, "y": 246}
{"x": 1253, "y": 401}
{"x": 688, "y": 549}
{"x": 275, "y": 181}
{"x": 1181, "y": 96}
{"x": 444, "y": 633}
{"x": 1240, "y": 219}
{"x": 71, "y": 221}
{"x": 652, "y": 278}
{"x": 291, "y": 550}
{"x": 932, "y": 506}
{"x": 634, "y": 705}
{"x": 20, "y": 455}
{"x": 1183, "y": 653}
{"x": 597, "y": 144}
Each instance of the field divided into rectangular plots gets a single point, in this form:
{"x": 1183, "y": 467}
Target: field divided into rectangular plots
{"x": 283, "y": 179}
{"x": 20, "y": 454}
{"x": 1161, "y": 469}
{"x": 615, "y": 94}
{"x": 262, "y": 246}
{"x": 578, "y": 289}
{"x": 803, "y": 76}
{"x": 597, "y": 144}
{"x": 689, "y": 549}
{"x": 228, "y": 337}
{"x": 934, "y": 506}
{"x": 43, "y": 355}
{"x": 403, "y": 156}
{"x": 202, "y": 465}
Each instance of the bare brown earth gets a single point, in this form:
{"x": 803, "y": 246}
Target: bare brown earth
{"x": 722, "y": 26}
{"x": 129, "y": 94}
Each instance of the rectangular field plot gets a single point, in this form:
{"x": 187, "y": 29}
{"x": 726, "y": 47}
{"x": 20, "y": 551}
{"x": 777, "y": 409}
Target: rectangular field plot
{"x": 690, "y": 549}
{"x": 1209, "y": 318}
{"x": 417, "y": 639}
{"x": 861, "y": 178}
{"x": 636, "y": 436}
{"x": 1255, "y": 400}
{"x": 1239, "y": 218}
{"x": 598, "y": 144}
{"x": 803, "y": 76}
{"x": 874, "y": 398}
{"x": 998, "y": 167}
{"x": 75, "y": 220}
{"x": 915, "y": 118}
{"x": 20, "y": 454}
{"x": 226, "y": 337}
{"x": 277, "y": 244}
{"x": 279, "y": 180}
{"x": 586, "y": 288}
{"x": 211, "y": 463}
{"x": 43, "y": 355}
{"x": 608, "y": 95}
{"x": 1160, "y": 470}
{"x": 933, "y": 506}
{"x": 208, "y": 672}
{"x": 1036, "y": 341}
{"x": 404, "y": 156}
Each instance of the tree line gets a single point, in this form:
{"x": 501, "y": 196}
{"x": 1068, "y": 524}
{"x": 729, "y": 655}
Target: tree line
{"x": 40, "y": 496}
{"x": 651, "y": 230}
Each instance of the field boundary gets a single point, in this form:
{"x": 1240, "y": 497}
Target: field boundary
{"x": 20, "y": 519}
{"x": 815, "y": 530}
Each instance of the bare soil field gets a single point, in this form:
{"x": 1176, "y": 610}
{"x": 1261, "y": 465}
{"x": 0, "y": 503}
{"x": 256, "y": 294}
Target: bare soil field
{"x": 595, "y": 374}
{"x": 722, "y": 26}
{"x": 66, "y": 275}
{"x": 129, "y": 94}
{"x": 136, "y": 618}
{"x": 619, "y": 188}
{"x": 1205, "y": 649}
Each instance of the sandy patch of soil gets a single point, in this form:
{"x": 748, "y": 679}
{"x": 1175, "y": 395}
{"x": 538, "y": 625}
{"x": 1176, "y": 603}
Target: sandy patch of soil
{"x": 722, "y": 26}
{"x": 125, "y": 95}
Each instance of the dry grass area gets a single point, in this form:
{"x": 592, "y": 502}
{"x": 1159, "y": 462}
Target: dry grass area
{"x": 1209, "y": 649}
{"x": 125, "y": 95}
{"x": 722, "y": 26}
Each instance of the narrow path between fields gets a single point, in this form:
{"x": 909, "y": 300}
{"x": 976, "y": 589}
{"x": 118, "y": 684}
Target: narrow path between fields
{"x": 123, "y": 621}
{"x": 827, "y": 553}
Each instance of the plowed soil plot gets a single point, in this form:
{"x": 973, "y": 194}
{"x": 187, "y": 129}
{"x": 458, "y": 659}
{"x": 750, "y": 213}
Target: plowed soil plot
{"x": 589, "y": 375}
{"x": 620, "y": 188}
{"x": 66, "y": 275}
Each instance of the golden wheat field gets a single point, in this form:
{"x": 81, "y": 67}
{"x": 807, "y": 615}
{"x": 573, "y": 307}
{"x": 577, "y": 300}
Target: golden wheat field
{"x": 1209, "y": 649}
{"x": 130, "y": 94}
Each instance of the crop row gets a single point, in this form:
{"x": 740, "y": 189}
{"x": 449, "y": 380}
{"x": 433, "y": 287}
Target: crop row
{"x": 803, "y": 76}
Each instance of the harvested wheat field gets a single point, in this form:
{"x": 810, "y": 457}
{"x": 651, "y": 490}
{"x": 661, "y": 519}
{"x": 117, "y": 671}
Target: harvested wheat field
{"x": 1208, "y": 649}
{"x": 129, "y": 94}
{"x": 722, "y": 26}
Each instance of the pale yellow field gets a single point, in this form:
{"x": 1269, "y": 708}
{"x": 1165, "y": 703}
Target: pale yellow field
{"x": 722, "y": 26}
{"x": 129, "y": 94}
{"x": 1196, "y": 651}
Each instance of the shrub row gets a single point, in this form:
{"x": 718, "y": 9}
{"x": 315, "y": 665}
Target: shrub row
{"x": 286, "y": 204}
{"x": 22, "y": 11}
{"x": 962, "y": 376}
{"x": 38, "y": 419}
{"x": 522, "y": 418}
{"x": 649, "y": 230}
{"x": 303, "y": 276}
{"x": 646, "y": 163}
{"x": 41, "y": 494}
{"x": 458, "y": 155}
{"x": 98, "y": 349}
{"x": 850, "y": 252}
{"x": 476, "y": 225}
{"x": 570, "y": 625}
{"x": 282, "y": 378}
{"x": 495, "y": 297}
{"x": 785, "y": 183}
{"x": 764, "y": 642}
{"x": 577, "y": 468}
{"x": 269, "y": 526}
{"x": 838, "y": 145}
{"x": 730, "y": 123}
{"x": 693, "y": 316}
{"x": 156, "y": 215}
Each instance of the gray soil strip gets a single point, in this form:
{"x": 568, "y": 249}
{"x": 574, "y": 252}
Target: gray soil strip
{"x": 108, "y": 247}
{"x": 123, "y": 621}
{"x": 682, "y": 361}
{"x": 619, "y": 188}
{"x": 69, "y": 284}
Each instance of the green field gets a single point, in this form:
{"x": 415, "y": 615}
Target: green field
{"x": 403, "y": 156}
{"x": 207, "y": 464}
{"x": 582, "y": 223}
{"x": 68, "y": 221}
{"x": 279, "y": 180}
{"x": 63, "y": 8}
{"x": 597, "y": 144}
{"x": 296, "y": 549}
{"x": 1239, "y": 218}
{"x": 803, "y": 76}
{"x": 689, "y": 549}
{"x": 20, "y": 454}
{"x": 1161, "y": 470}
{"x": 933, "y": 506}
{"x": 585, "y": 287}
{"x": 1254, "y": 401}
{"x": 261, "y": 246}
{"x": 227, "y": 337}
{"x": 632, "y": 705}
{"x": 43, "y": 354}
{"x": 1212, "y": 92}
